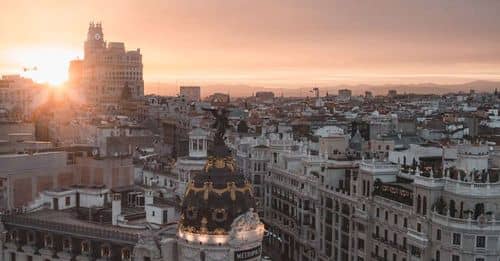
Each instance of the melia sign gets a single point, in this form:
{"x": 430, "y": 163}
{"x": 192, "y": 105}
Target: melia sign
{"x": 247, "y": 254}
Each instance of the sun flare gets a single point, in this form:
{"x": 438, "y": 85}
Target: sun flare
{"x": 43, "y": 64}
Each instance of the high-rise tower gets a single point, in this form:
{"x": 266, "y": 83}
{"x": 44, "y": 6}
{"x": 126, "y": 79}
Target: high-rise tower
{"x": 95, "y": 40}
{"x": 108, "y": 68}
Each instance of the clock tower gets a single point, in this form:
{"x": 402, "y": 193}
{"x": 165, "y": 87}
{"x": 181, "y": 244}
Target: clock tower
{"x": 108, "y": 68}
{"x": 95, "y": 39}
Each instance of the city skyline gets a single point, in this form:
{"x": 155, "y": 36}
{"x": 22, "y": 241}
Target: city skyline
{"x": 183, "y": 130}
{"x": 270, "y": 44}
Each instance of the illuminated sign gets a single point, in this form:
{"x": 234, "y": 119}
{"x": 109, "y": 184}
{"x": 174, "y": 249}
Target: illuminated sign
{"x": 247, "y": 254}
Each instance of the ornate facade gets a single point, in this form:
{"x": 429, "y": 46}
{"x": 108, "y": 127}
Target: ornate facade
{"x": 108, "y": 69}
{"x": 218, "y": 218}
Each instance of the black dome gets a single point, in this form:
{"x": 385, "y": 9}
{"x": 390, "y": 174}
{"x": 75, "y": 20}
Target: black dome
{"x": 216, "y": 196}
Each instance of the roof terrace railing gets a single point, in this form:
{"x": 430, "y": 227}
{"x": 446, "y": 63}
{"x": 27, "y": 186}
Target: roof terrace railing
{"x": 57, "y": 227}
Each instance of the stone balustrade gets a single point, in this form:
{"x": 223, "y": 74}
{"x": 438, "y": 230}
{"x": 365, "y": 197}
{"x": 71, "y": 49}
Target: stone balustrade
{"x": 491, "y": 223}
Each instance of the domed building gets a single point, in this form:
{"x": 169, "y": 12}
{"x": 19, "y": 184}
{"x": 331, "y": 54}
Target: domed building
{"x": 218, "y": 217}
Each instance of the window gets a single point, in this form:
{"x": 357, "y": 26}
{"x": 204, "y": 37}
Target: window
{"x": 12, "y": 256}
{"x": 361, "y": 227}
{"x": 405, "y": 222}
{"x": 361, "y": 244}
{"x": 480, "y": 242}
{"x": 386, "y": 215}
{"x": 424, "y": 206}
{"x": 419, "y": 204}
{"x": 438, "y": 256}
{"x": 378, "y": 210}
{"x": 85, "y": 247}
{"x": 105, "y": 251}
{"x": 29, "y": 258}
{"x": 395, "y": 219}
{"x": 438, "y": 234}
{"x": 68, "y": 201}
{"x": 152, "y": 213}
{"x": 66, "y": 244}
{"x": 479, "y": 259}
{"x": 455, "y": 258}
{"x": 419, "y": 227}
{"x": 457, "y": 239}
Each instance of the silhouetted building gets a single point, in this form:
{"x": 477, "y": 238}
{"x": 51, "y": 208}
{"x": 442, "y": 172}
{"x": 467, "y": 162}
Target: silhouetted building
{"x": 108, "y": 68}
{"x": 264, "y": 96}
{"x": 75, "y": 73}
{"x": 345, "y": 94}
{"x": 190, "y": 93}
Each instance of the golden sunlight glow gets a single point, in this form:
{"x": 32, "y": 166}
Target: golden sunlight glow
{"x": 43, "y": 64}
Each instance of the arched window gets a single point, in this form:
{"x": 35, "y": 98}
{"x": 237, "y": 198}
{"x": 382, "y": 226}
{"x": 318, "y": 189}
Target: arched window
{"x": 105, "y": 251}
{"x": 125, "y": 254}
{"x": 66, "y": 244}
{"x": 424, "y": 206}
{"x": 419, "y": 203}
{"x": 85, "y": 247}
{"x": 48, "y": 241}
{"x": 478, "y": 210}
{"x": 453, "y": 210}
{"x": 461, "y": 209}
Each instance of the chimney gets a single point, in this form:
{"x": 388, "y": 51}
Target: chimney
{"x": 116, "y": 208}
{"x": 149, "y": 197}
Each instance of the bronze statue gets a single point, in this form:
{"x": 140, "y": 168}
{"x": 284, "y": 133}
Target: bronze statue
{"x": 221, "y": 124}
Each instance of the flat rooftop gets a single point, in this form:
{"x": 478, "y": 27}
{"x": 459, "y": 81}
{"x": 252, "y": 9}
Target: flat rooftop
{"x": 66, "y": 222}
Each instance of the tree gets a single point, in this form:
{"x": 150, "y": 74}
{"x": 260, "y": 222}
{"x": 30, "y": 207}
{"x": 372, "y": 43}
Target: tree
{"x": 440, "y": 206}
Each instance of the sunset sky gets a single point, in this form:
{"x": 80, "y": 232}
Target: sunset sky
{"x": 266, "y": 43}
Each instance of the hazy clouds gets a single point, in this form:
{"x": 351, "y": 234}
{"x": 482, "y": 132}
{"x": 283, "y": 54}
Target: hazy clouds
{"x": 275, "y": 41}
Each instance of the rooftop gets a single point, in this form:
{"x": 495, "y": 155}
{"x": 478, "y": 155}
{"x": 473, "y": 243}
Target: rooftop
{"x": 66, "y": 222}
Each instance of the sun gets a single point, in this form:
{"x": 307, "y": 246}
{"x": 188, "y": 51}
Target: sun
{"x": 43, "y": 64}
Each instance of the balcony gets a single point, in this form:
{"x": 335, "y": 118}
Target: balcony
{"x": 416, "y": 238}
{"x": 55, "y": 225}
{"x": 430, "y": 182}
{"x": 394, "y": 192}
{"x": 475, "y": 189}
{"x": 377, "y": 166}
{"x": 491, "y": 223}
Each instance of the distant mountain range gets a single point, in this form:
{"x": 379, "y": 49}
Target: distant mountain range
{"x": 239, "y": 90}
